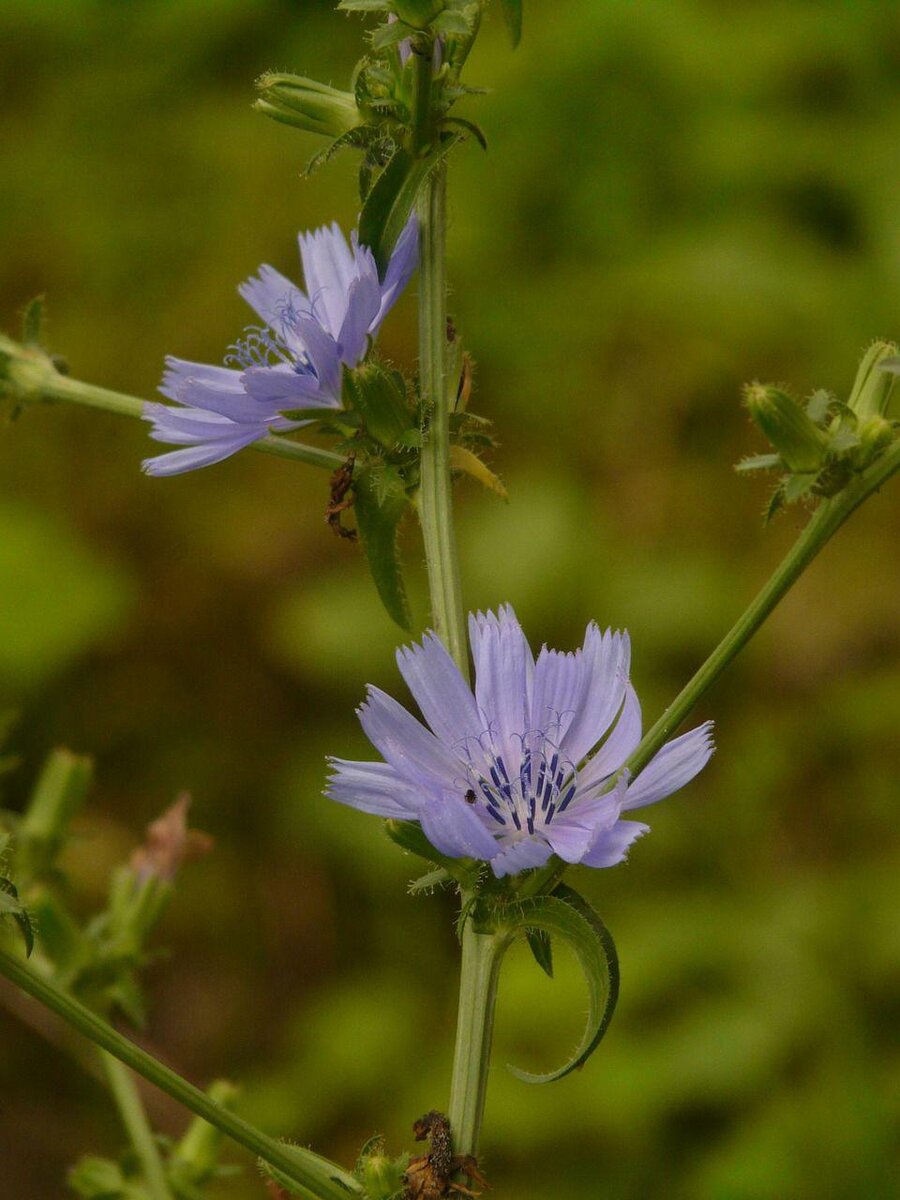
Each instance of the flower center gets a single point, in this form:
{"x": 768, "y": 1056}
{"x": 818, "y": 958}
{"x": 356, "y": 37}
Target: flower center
{"x": 530, "y": 795}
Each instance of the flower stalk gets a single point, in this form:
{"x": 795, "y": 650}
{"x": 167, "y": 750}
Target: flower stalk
{"x": 316, "y": 1176}
{"x": 482, "y": 954}
{"x": 128, "y": 1101}
{"x": 822, "y": 526}
{"x": 52, "y": 386}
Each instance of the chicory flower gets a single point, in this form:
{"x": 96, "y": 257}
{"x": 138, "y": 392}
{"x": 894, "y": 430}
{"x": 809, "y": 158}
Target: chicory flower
{"x": 293, "y": 361}
{"x": 504, "y": 775}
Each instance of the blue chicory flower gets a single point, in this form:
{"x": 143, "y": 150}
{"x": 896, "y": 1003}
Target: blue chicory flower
{"x": 293, "y": 361}
{"x": 503, "y": 775}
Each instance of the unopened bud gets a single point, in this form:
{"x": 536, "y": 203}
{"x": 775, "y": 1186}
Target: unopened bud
{"x": 800, "y": 443}
{"x": 874, "y": 380}
{"x": 307, "y": 104}
{"x": 875, "y": 435}
{"x": 382, "y": 1176}
{"x": 169, "y": 844}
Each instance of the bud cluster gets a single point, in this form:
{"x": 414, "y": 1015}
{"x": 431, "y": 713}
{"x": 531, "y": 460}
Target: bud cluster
{"x": 820, "y": 446}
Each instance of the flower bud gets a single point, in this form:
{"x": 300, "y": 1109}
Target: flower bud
{"x": 169, "y": 844}
{"x": 875, "y": 435}
{"x": 874, "y": 380}
{"x": 307, "y": 104}
{"x": 383, "y": 1176}
{"x": 25, "y": 371}
{"x": 800, "y": 443}
{"x": 418, "y": 13}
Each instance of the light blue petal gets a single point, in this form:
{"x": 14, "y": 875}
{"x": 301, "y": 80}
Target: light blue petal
{"x": 278, "y": 388}
{"x": 618, "y": 747}
{"x": 177, "y": 462}
{"x": 503, "y": 678}
{"x": 328, "y": 271}
{"x": 324, "y": 354}
{"x": 453, "y": 827}
{"x": 440, "y": 691}
{"x": 373, "y": 787}
{"x": 179, "y": 371}
{"x": 569, "y": 839}
{"x": 274, "y": 297}
{"x": 558, "y": 684}
{"x": 234, "y": 405}
{"x": 363, "y": 299}
{"x": 606, "y": 662}
{"x": 521, "y": 856}
{"x": 612, "y": 845}
{"x": 399, "y": 270}
{"x": 674, "y": 766}
{"x": 408, "y": 746}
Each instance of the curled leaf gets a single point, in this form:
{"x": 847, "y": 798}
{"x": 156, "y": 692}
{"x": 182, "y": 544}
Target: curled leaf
{"x": 462, "y": 459}
{"x": 568, "y": 917}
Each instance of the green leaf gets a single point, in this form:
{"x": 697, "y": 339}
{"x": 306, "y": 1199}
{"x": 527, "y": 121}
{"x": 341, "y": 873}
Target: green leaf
{"x": 386, "y": 36}
{"x": 11, "y": 906}
{"x": 567, "y": 916}
{"x": 462, "y": 459}
{"x": 451, "y": 23}
{"x": 33, "y": 321}
{"x": 512, "y": 14}
{"x": 390, "y": 202}
{"x": 542, "y": 948}
{"x": 97, "y": 1179}
{"x": 469, "y": 127}
{"x": 759, "y": 462}
{"x": 378, "y": 525}
{"x": 408, "y": 835}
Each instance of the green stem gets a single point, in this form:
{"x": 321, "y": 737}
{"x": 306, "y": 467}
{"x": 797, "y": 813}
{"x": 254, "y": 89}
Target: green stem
{"x": 435, "y": 497}
{"x": 481, "y": 953}
{"x": 124, "y": 1092}
{"x": 319, "y": 1177}
{"x": 822, "y": 526}
{"x": 73, "y": 391}
{"x": 479, "y": 973}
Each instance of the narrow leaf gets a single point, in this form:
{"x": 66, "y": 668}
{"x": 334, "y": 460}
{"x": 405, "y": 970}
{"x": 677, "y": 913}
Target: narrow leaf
{"x": 542, "y": 948}
{"x": 378, "y": 526}
{"x": 33, "y": 321}
{"x": 462, "y": 459}
{"x": 11, "y": 906}
{"x": 470, "y": 127}
{"x": 568, "y": 917}
{"x": 512, "y": 14}
{"x": 389, "y": 204}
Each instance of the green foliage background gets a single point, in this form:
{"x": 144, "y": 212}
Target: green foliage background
{"x": 680, "y": 195}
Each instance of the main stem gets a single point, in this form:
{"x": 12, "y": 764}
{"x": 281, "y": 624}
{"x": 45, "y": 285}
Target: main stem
{"x": 128, "y": 1101}
{"x": 319, "y": 1177}
{"x": 481, "y": 953}
{"x": 435, "y": 498}
{"x": 479, "y": 973}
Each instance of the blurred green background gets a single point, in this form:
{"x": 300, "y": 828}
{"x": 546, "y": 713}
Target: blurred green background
{"x": 680, "y": 195}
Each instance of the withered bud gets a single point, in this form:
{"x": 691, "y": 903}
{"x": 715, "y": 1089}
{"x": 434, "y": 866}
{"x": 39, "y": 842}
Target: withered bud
{"x": 169, "y": 844}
